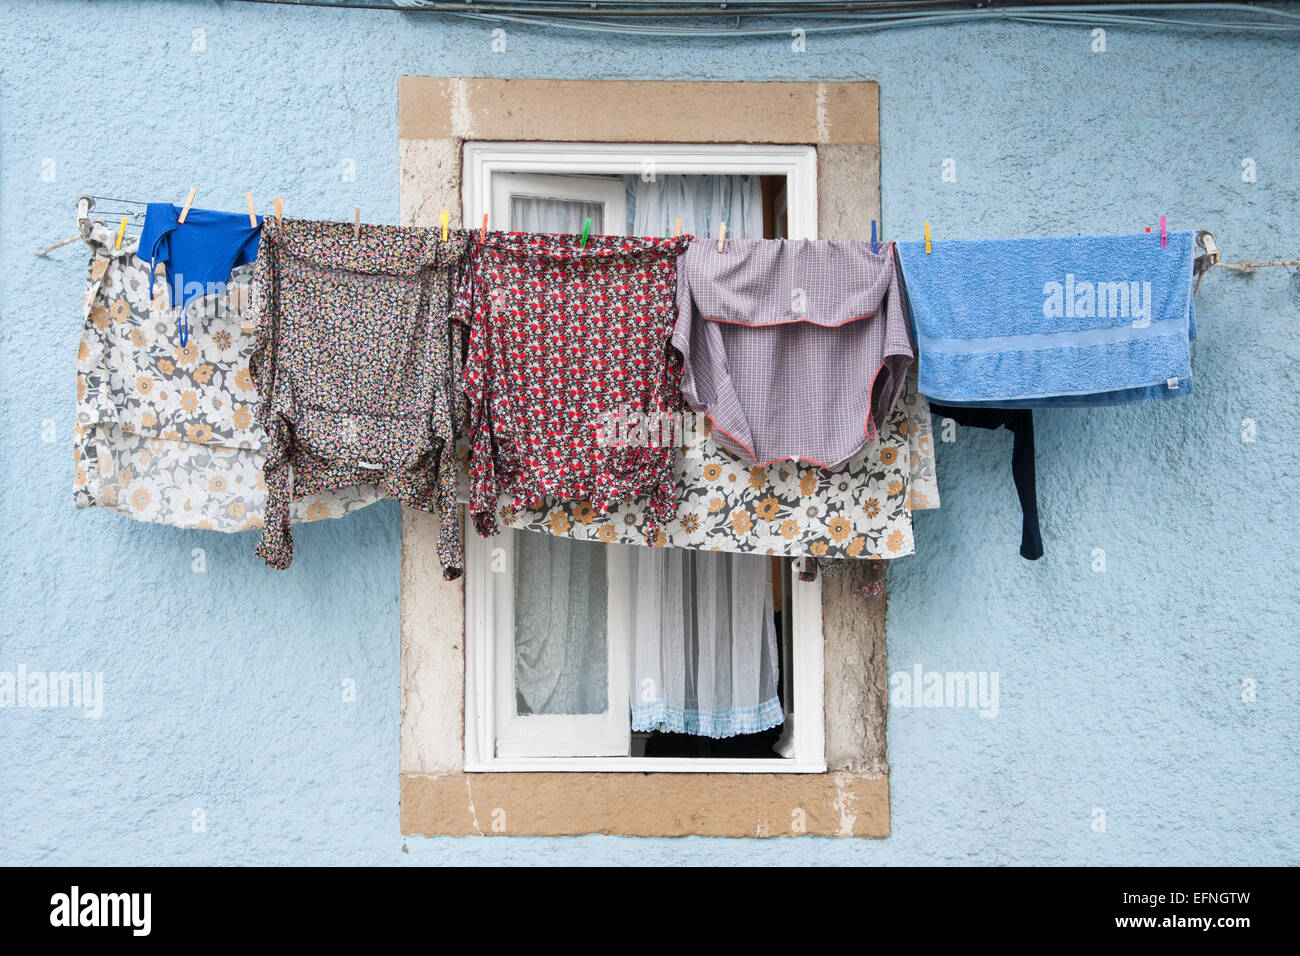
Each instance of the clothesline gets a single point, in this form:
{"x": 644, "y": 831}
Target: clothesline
{"x": 135, "y": 215}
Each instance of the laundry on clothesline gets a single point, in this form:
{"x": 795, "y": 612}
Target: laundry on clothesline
{"x": 355, "y": 370}
{"x": 1040, "y": 323}
{"x": 560, "y": 334}
{"x": 165, "y": 432}
{"x": 793, "y": 349}
{"x": 198, "y": 254}
{"x": 379, "y": 348}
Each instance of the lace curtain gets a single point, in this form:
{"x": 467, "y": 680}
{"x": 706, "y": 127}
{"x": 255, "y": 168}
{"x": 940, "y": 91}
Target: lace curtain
{"x": 702, "y": 202}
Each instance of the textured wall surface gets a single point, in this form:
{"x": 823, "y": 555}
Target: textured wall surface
{"x": 1121, "y": 691}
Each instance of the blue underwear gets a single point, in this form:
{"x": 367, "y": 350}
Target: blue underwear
{"x": 196, "y": 254}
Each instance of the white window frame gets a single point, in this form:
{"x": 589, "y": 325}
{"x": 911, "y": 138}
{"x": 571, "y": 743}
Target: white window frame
{"x": 489, "y": 584}
{"x": 798, "y": 164}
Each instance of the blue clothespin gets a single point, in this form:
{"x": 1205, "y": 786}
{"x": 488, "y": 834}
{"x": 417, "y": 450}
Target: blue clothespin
{"x": 873, "y": 236}
{"x": 586, "y": 228}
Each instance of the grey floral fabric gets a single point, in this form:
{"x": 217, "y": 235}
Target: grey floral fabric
{"x": 354, "y": 371}
{"x": 166, "y": 433}
{"x": 861, "y": 510}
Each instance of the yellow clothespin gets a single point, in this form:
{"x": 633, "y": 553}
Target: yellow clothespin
{"x": 927, "y": 238}
{"x": 444, "y": 219}
{"x": 121, "y": 231}
{"x": 678, "y": 231}
{"x": 722, "y": 235}
{"x": 279, "y": 211}
{"x": 252, "y": 213}
{"x": 185, "y": 210}
{"x": 356, "y": 224}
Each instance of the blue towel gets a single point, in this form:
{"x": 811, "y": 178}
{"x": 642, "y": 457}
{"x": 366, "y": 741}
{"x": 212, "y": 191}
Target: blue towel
{"x": 1040, "y": 323}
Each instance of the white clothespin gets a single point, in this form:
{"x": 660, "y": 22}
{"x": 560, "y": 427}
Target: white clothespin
{"x": 722, "y": 235}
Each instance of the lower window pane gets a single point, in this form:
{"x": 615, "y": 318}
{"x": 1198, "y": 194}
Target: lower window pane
{"x": 561, "y": 599}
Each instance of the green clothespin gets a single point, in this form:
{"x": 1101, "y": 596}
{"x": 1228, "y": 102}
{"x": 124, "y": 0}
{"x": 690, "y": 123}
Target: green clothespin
{"x": 586, "y": 229}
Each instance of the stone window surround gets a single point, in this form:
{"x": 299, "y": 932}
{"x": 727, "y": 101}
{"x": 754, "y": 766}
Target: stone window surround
{"x": 435, "y": 116}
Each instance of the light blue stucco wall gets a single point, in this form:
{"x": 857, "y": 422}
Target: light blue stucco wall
{"x": 1120, "y": 690}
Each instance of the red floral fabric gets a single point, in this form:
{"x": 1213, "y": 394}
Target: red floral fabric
{"x": 558, "y": 336}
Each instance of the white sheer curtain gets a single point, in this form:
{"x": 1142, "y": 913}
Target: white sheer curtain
{"x": 702, "y": 202}
{"x": 705, "y": 654}
{"x": 560, "y": 625}
{"x": 533, "y": 214}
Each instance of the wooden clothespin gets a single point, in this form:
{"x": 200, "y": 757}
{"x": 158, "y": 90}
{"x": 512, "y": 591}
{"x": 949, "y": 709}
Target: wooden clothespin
{"x": 444, "y": 219}
{"x": 874, "y": 247}
{"x": 1164, "y": 236}
{"x": 121, "y": 231}
{"x": 927, "y": 238}
{"x": 482, "y": 233}
{"x": 185, "y": 209}
{"x": 279, "y": 211}
{"x": 356, "y": 223}
{"x": 678, "y": 231}
{"x": 586, "y": 231}
{"x": 722, "y": 235}
{"x": 252, "y": 213}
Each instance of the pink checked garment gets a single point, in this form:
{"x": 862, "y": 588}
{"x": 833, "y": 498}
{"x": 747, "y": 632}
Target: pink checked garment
{"x": 794, "y": 349}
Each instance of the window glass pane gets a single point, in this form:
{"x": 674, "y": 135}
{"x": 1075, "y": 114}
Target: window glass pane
{"x": 533, "y": 214}
{"x": 561, "y": 661}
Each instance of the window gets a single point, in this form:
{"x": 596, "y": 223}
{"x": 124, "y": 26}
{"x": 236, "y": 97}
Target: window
{"x": 551, "y": 623}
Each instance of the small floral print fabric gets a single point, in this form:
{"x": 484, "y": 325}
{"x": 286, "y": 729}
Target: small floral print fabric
{"x": 354, "y": 369}
{"x": 166, "y": 433}
{"x": 722, "y": 503}
{"x": 559, "y": 335}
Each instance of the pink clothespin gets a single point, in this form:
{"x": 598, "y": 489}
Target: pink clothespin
{"x": 1164, "y": 236}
